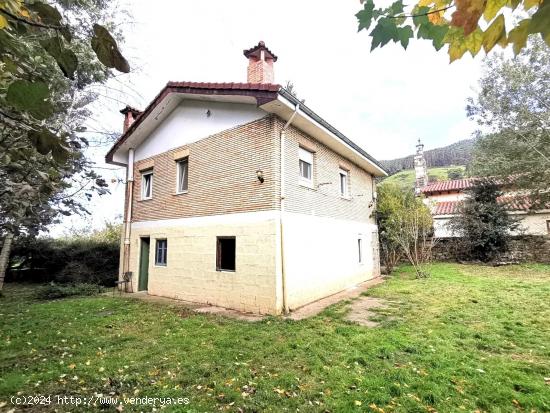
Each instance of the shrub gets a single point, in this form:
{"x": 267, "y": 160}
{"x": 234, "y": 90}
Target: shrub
{"x": 405, "y": 227}
{"x": 73, "y": 260}
{"x": 482, "y": 223}
{"x": 54, "y": 291}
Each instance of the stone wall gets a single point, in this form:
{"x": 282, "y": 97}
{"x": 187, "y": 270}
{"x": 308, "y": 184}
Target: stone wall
{"x": 526, "y": 248}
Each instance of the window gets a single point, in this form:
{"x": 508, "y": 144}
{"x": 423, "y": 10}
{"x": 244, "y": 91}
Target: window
{"x": 225, "y": 254}
{"x": 548, "y": 226}
{"x": 147, "y": 185}
{"x": 344, "y": 183}
{"x": 306, "y": 167}
{"x": 183, "y": 175}
{"x": 360, "y": 250}
{"x": 161, "y": 252}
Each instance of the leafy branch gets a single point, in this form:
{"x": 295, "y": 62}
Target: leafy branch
{"x": 462, "y": 29}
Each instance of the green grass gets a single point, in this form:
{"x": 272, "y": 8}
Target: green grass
{"x": 407, "y": 178}
{"x": 468, "y": 338}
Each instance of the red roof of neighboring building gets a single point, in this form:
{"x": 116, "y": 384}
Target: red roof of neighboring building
{"x": 456, "y": 185}
{"x": 511, "y": 203}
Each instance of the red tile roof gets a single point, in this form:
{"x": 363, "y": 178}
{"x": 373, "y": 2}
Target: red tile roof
{"x": 225, "y": 86}
{"x": 511, "y": 203}
{"x": 455, "y": 185}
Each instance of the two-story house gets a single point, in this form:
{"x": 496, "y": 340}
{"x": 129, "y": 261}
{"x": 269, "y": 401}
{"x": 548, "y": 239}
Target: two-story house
{"x": 241, "y": 196}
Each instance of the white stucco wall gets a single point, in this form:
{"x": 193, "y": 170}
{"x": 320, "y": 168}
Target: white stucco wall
{"x": 189, "y": 123}
{"x": 321, "y": 256}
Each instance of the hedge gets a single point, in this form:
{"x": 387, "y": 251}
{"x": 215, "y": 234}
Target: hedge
{"x": 72, "y": 260}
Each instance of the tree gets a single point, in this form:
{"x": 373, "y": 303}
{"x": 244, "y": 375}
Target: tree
{"x": 50, "y": 54}
{"x": 457, "y": 23}
{"x": 405, "y": 227}
{"x": 455, "y": 173}
{"x": 513, "y": 107}
{"x": 482, "y": 223}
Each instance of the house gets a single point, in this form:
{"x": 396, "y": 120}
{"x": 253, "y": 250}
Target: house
{"x": 444, "y": 197}
{"x": 239, "y": 195}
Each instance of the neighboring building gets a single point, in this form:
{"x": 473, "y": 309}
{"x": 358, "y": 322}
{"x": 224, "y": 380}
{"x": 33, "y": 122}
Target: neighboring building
{"x": 239, "y": 195}
{"x": 444, "y": 197}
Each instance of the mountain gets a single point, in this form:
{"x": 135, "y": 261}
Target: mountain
{"x": 459, "y": 153}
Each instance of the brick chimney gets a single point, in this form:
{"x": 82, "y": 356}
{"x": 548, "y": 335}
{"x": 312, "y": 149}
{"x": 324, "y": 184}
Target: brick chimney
{"x": 260, "y": 64}
{"x": 130, "y": 115}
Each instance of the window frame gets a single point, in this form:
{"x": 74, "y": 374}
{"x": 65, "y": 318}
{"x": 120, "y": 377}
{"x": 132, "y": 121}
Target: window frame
{"x": 360, "y": 250}
{"x": 165, "y": 249}
{"x": 179, "y": 163}
{"x": 219, "y": 240}
{"x": 144, "y": 174}
{"x": 306, "y": 156}
{"x": 345, "y": 192}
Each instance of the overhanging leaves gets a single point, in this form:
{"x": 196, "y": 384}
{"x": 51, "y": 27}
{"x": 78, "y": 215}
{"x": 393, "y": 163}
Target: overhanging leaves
{"x": 432, "y": 20}
{"x": 106, "y": 49}
{"x": 30, "y": 97}
{"x": 48, "y": 14}
{"x": 540, "y": 21}
{"x": 494, "y": 33}
{"x": 65, "y": 58}
{"x": 518, "y": 36}
{"x": 44, "y": 141}
{"x": 467, "y": 14}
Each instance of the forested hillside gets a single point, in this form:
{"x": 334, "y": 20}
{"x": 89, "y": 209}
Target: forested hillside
{"x": 458, "y": 153}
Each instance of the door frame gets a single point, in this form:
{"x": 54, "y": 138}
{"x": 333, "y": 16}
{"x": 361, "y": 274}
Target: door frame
{"x": 144, "y": 271}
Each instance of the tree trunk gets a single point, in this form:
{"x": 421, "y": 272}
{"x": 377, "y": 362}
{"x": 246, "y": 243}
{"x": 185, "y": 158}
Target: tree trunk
{"x": 5, "y": 257}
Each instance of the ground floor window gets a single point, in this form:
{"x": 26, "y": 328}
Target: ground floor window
{"x": 360, "y": 249}
{"x": 161, "y": 252}
{"x": 225, "y": 253}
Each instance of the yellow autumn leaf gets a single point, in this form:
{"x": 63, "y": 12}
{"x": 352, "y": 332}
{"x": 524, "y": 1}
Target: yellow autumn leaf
{"x": 474, "y": 41}
{"x": 456, "y": 50}
{"x": 492, "y": 8}
{"x": 24, "y": 13}
{"x": 436, "y": 18}
{"x": 494, "y": 33}
{"x": 3, "y": 22}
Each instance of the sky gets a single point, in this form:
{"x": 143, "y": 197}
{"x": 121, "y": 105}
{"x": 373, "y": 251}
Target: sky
{"x": 383, "y": 100}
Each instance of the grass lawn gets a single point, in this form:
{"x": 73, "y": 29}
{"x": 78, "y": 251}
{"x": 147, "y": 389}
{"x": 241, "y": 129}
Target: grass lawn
{"x": 469, "y": 338}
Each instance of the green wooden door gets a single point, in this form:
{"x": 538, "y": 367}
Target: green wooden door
{"x": 144, "y": 264}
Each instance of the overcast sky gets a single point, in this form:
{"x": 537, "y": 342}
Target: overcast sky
{"x": 384, "y": 100}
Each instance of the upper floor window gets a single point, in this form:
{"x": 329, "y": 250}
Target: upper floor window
{"x": 306, "y": 167}
{"x": 147, "y": 184}
{"x": 344, "y": 192}
{"x": 161, "y": 252}
{"x": 183, "y": 175}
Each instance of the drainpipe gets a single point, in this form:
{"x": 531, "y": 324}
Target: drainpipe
{"x": 282, "y": 175}
{"x": 128, "y": 217}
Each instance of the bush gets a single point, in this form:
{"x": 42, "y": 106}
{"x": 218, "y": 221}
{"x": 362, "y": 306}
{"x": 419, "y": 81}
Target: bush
{"x": 54, "y": 291}
{"x": 73, "y": 260}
